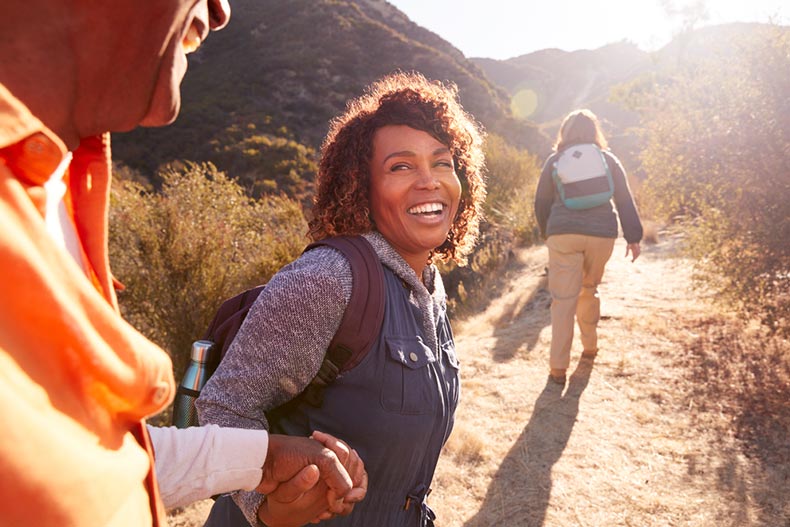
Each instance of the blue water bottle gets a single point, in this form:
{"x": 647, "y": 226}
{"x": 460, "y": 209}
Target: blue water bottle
{"x": 195, "y": 377}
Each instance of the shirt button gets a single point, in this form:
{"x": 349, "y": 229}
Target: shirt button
{"x": 160, "y": 393}
{"x": 413, "y": 356}
{"x": 35, "y": 145}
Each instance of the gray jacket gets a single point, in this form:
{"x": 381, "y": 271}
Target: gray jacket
{"x": 555, "y": 218}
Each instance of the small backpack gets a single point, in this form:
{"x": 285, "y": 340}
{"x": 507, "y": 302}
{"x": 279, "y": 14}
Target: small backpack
{"x": 583, "y": 178}
{"x": 358, "y": 331}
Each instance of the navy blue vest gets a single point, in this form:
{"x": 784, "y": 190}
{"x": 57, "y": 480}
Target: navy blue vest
{"x": 396, "y": 408}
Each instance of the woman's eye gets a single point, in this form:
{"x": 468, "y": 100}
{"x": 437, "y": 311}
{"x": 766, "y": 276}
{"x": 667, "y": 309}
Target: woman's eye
{"x": 445, "y": 164}
{"x": 399, "y": 166}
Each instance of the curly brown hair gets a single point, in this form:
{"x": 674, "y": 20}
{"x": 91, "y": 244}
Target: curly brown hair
{"x": 342, "y": 202}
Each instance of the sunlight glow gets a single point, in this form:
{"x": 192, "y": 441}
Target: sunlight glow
{"x": 503, "y": 29}
{"x": 524, "y": 103}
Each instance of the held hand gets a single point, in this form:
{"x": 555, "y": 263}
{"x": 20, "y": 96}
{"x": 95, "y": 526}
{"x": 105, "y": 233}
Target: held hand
{"x": 634, "y": 249}
{"x": 288, "y": 455}
{"x": 356, "y": 469}
{"x": 312, "y": 494}
{"x": 293, "y": 489}
{"x": 298, "y": 501}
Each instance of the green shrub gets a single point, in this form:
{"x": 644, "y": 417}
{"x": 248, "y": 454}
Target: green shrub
{"x": 265, "y": 163}
{"x": 199, "y": 240}
{"x": 510, "y": 220}
{"x": 512, "y": 177}
{"x": 717, "y": 139}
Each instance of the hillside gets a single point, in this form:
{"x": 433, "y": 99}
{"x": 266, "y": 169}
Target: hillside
{"x": 560, "y": 81}
{"x": 545, "y": 85}
{"x": 681, "y": 420}
{"x": 286, "y": 67}
{"x": 264, "y": 89}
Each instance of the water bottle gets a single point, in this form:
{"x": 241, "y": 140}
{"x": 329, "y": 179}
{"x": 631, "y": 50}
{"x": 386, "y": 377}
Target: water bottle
{"x": 195, "y": 377}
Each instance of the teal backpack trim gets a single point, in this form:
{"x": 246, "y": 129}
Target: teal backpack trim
{"x": 588, "y": 201}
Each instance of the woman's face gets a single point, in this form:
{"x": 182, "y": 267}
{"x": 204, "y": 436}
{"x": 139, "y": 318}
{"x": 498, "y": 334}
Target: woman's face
{"x": 414, "y": 191}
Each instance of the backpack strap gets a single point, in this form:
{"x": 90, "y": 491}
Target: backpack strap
{"x": 228, "y": 319}
{"x": 362, "y": 319}
{"x": 359, "y": 328}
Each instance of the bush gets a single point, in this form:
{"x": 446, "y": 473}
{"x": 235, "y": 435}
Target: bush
{"x": 181, "y": 251}
{"x": 469, "y": 284}
{"x": 267, "y": 164}
{"x": 512, "y": 177}
{"x": 510, "y": 220}
{"x": 718, "y": 145}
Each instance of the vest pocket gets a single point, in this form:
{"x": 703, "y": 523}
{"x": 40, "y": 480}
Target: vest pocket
{"x": 408, "y": 384}
{"x": 448, "y": 348}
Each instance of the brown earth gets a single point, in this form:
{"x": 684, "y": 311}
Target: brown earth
{"x": 683, "y": 419}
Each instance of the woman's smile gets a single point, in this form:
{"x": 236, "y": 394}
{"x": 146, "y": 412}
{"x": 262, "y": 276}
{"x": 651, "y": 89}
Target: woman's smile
{"x": 414, "y": 191}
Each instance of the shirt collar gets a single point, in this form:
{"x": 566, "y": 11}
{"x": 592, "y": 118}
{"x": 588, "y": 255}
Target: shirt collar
{"x": 35, "y": 149}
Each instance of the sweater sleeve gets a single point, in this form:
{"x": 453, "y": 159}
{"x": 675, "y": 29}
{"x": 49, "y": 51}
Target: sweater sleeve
{"x": 544, "y": 195}
{"x": 279, "y": 347}
{"x": 624, "y": 201}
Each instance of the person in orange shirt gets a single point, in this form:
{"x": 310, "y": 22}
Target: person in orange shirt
{"x": 76, "y": 381}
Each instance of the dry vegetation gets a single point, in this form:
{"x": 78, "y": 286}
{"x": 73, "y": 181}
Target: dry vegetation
{"x": 682, "y": 419}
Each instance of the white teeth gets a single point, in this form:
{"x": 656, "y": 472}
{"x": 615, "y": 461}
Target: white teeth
{"x": 426, "y": 208}
{"x": 191, "y": 40}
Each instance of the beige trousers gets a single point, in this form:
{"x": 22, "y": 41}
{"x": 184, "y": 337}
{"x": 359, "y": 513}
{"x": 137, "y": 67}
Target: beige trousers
{"x": 576, "y": 266}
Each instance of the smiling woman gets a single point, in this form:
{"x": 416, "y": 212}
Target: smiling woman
{"x": 414, "y": 191}
{"x": 407, "y": 101}
{"x": 402, "y": 167}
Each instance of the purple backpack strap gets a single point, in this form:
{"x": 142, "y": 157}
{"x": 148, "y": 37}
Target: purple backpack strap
{"x": 227, "y": 321}
{"x": 364, "y": 313}
{"x": 361, "y": 323}
{"x": 359, "y": 328}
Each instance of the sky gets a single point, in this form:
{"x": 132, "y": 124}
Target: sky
{"x": 502, "y": 29}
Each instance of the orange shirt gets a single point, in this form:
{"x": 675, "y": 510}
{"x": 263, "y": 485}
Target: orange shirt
{"x": 76, "y": 381}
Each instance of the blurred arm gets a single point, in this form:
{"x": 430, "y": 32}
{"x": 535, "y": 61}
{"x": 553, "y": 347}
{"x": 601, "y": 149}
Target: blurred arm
{"x": 544, "y": 195}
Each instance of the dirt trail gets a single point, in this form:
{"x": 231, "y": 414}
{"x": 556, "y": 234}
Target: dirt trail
{"x": 620, "y": 445}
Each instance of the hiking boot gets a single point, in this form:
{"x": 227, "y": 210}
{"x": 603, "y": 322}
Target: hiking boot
{"x": 557, "y": 376}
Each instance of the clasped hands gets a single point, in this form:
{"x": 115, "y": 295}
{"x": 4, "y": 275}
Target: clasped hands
{"x": 309, "y": 479}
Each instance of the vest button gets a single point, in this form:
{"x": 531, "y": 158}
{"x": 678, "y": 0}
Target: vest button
{"x": 413, "y": 356}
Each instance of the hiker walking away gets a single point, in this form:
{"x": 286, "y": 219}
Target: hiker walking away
{"x": 77, "y": 381}
{"x": 573, "y": 207}
{"x": 402, "y": 167}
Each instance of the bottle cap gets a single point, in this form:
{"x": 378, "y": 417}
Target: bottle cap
{"x": 201, "y": 350}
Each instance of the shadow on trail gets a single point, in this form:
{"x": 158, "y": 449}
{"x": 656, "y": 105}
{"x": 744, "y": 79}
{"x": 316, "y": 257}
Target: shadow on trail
{"x": 520, "y": 491}
{"x": 522, "y": 321}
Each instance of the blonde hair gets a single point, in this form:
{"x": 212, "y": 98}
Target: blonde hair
{"x": 580, "y": 127}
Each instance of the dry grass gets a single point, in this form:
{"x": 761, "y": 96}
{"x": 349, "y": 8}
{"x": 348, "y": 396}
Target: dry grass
{"x": 651, "y": 232}
{"x": 627, "y": 442}
{"x": 682, "y": 419}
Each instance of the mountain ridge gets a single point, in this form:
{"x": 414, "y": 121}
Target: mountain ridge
{"x": 287, "y": 67}
{"x": 284, "y": 68}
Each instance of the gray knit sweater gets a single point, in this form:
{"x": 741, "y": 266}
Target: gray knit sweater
{"x": 555, "y": 218}
{"x": 282, "y": 342}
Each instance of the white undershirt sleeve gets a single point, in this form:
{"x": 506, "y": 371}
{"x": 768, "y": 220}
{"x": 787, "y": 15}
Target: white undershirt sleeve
{"x": 196, "y": 463}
